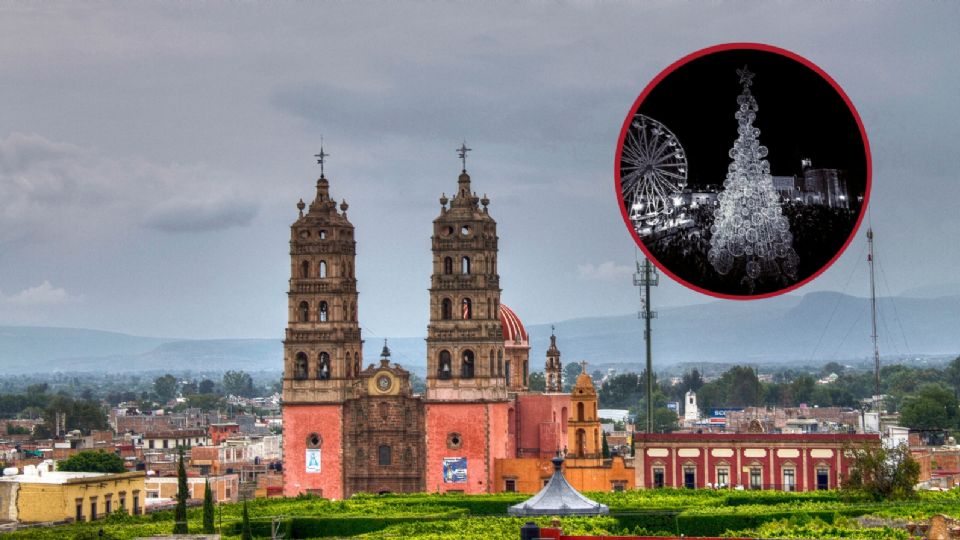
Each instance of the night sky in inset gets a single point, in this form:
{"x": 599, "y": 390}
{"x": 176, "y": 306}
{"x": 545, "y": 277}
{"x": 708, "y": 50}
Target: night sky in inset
{"x": 800, "y": 116}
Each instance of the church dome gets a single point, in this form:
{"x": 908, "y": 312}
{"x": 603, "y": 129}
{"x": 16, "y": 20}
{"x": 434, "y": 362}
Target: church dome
{"x": 513, "y": 330}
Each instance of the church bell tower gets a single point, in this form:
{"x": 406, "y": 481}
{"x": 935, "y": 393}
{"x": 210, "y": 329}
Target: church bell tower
{"x": 465, "y": 344}
{"x": 553, "y": 369}
{"x": 467, "y": 412}
{"x": 322, "y": 348}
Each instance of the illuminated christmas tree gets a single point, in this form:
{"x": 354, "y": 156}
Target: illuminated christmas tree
{"x": 750, "y": 234}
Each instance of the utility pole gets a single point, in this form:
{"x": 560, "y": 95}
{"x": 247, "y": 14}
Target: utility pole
{"x": 646, "y": 277}
{"x": 873, "y": 321}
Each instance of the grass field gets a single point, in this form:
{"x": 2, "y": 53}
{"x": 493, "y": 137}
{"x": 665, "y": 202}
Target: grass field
{"x": 821, "y": 514}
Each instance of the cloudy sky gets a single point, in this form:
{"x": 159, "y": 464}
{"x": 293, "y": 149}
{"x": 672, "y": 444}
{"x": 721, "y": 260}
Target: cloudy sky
{"x": 152, "y": 154}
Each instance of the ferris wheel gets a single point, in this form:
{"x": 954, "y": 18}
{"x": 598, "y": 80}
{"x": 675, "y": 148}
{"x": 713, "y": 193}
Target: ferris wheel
{"x": 653, "y": 172}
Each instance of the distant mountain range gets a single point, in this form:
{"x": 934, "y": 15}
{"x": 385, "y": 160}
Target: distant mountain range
{"x": 814, "y": 328}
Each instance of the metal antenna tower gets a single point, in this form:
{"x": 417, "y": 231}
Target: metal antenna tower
{"x": 646, "y": 277}
{"x": 873, "y": 322}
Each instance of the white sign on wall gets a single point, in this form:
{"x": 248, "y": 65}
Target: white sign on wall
{"x": 313, "y": 460}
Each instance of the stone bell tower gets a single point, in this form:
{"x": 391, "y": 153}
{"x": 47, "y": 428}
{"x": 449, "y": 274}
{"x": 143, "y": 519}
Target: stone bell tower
{"x": 322, "y": 346}
{"x": 465, "y": 345}
{"x": 553, "y": 369}
{"x": 466, "y": 407}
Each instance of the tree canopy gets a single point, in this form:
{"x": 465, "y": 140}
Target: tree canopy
{"x": 92, "y": 461}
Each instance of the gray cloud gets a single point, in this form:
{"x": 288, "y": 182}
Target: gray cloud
{"x": 49, "y": 187}
{"x": 173, "y": 134}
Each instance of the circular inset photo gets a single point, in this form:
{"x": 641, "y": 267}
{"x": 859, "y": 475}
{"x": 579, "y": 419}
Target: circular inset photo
{"x": 743, "y": 171}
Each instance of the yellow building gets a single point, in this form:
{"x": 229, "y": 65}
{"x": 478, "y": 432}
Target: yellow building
{"x": 39, "y": 495}
{"x": 585, "y": 468}
{"x": 583, "y": 428}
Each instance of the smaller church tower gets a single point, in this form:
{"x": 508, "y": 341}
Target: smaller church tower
{"x": 583, "y": 428}
{"x": 554, "y": 369}
{"x": 690, "y": 411}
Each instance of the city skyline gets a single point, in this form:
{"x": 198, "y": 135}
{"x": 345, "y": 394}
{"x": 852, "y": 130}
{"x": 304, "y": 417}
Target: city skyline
{"x": 151, "y": 165}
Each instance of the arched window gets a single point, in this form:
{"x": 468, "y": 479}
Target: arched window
{"x": 465, "y": 265}
{"x": 323, "y": 372}
{"x": 580, "y": 412}
{"x": 492, "y": 366}
{"x": 304, "y": 312}
{"x": 446, "y": 309}
{"x": 385, "y": 455}
{"x": 563, "y": 419}
{"x": 353, "y": 311}
{"x": 467, "y": 308}
{"x": 466, "y": 366}
{"x": 444, "y": 369}
{"x": 581, "y": 442}
{"x": 447, "y": 265}
{"x": 508, "y": 372}
{"x": 323, "y": 235}
{"x": 305, "y": 269}
{"x": 500, "y": 363}
{"x": 526, "y": 374}
{"x": 300, "y": 366}
{"x": 324, "y": 312}
{"x": 322, "y": 269}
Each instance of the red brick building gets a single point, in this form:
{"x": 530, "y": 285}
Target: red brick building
{"x": 745, "y": 460}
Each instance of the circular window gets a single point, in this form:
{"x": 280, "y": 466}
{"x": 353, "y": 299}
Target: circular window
{"x": 314, "y": 440}
{"x": 454, "y": 441}
{"x": 465, "y": 230}
{"x": 447, "y": 231}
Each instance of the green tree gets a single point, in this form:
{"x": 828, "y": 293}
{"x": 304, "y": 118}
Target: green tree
{"x": 570, "y": 373}
{"x": 883, "y": 473}
{"x": 82, "y": 415}
{"x": 206, "y": 402}
{"x": 952, "y": 375}
{"x": 245, "y": 532}
{"x": 165, "y": 387}
{"x": 620, "y": 391}
{"x": 691, "y": 381}
{"x": 933, "y": 407}
{"x": 206, "y": 387}
{"x": 238, "y": 383}
{"x": 605, "y": 448}
{"x": 180, "y": 513}
{"x": 537, "y": 382}
{"x": 189, "y": 388}
{"x": 832, "y": 367}
{"x": 92, "y": 461}
{"x": 802, "y": 389}
{"x": 208, "y": 509}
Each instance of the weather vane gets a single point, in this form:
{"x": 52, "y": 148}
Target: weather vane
{"x": 746, "y": 76}
{"x": 321, "y": 157}
{"x": 462, "y": 152}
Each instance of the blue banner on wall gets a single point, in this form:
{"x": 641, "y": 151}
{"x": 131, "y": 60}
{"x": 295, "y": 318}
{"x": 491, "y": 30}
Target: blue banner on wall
{"x": 455, "y": 470}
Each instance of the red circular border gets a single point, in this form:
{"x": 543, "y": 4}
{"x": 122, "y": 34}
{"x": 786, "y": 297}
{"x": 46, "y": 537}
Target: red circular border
{"x": 728, "y": 47}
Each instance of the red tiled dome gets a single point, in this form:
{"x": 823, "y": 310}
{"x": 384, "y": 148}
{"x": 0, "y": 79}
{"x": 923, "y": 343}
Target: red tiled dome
{"x": 513, "y": 329}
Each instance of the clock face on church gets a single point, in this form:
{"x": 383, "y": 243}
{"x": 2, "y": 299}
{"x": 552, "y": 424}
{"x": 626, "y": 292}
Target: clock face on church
{"x": 383, "y": 383}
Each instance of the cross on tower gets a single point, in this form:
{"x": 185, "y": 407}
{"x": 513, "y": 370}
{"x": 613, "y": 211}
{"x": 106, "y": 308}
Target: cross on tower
{"x": 462, "y": 152}
{"x": 321, "y": 157}
{"x": 583, "y": 366}
{"x": 746, "y": 76}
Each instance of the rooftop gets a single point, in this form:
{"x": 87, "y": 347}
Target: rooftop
{"x": 64, "y": 477}
{"x": 558, "y": 498}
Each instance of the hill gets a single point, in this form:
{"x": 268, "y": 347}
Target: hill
{"x": 815, "y": 328}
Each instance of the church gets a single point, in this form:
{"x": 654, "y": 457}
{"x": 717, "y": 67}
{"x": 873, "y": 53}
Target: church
{"x": 477, "y": 428}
